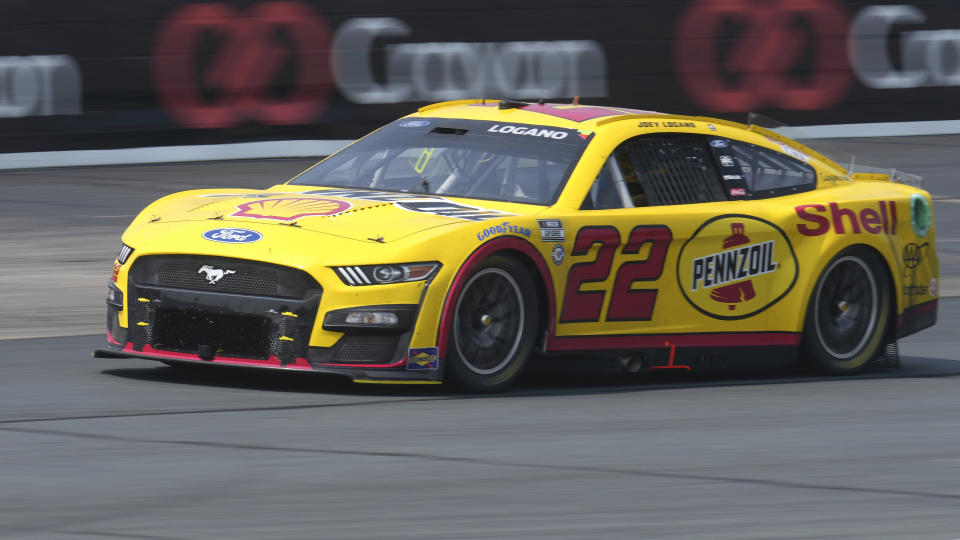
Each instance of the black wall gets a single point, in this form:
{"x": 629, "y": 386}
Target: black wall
{"x": 77, "y": 75}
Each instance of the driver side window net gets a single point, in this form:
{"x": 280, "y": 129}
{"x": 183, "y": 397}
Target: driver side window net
{"x": 674, "y": 169}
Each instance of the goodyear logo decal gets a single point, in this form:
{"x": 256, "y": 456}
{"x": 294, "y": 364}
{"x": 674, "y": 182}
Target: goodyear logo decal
{"x": 423, "y": 358}
{"x": 736, "y": 266}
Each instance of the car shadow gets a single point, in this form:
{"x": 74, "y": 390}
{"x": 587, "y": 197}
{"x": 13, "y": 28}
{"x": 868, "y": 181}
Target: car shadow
{"x": 581, "y": 377}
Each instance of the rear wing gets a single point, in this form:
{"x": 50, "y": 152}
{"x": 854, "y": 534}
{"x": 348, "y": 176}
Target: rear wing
{"x": 866, "y": 173}
{"x": 787, "y": 135}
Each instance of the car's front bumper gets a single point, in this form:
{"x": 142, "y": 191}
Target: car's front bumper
{"x": 172, "y": 320}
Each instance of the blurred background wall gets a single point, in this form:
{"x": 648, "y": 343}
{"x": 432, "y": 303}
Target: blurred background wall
{"x": 90, "y": 75}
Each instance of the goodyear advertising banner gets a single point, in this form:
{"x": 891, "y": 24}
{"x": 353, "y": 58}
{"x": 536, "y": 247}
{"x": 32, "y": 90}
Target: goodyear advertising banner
{"x": 81, "y": 75}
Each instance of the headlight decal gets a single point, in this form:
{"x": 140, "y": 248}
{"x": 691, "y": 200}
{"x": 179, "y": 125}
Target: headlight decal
{"x": 124, "y": 254}
{"x": 353, "y": 275}
{"x": 380, "y": 274}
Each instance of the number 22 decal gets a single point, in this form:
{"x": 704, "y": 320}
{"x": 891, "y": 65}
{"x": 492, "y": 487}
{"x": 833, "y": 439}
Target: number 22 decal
{"x": 626, "y": 304}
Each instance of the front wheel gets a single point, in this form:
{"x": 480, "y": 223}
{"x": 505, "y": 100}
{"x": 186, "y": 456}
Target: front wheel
{"x": 847, "y": 316}
{"x": 494, "y": 326}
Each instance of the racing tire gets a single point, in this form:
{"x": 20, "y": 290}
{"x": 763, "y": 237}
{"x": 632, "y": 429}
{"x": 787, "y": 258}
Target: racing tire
{"x": 494, "y": 326}
{"x": 848, "y": 313}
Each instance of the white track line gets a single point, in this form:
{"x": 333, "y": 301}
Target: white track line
{"x": 171, "y": 154}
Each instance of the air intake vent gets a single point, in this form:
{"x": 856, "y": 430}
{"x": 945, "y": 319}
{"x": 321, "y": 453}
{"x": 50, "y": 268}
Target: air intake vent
{"x": 366, "y": 349}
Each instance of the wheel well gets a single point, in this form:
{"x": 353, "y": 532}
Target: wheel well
{"x": 892, "y": 290}
{"x": 891, "y": 286}
{"x": 543, "y": 298}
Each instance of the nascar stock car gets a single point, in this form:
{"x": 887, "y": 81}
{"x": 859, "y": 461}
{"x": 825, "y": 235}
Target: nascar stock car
{"x": 457, "y": 242}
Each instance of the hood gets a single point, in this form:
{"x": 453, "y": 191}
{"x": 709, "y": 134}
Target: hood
{"x": 355, "y": 214}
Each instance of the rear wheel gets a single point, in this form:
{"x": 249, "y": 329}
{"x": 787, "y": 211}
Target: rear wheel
{"x": 847, "y": 316}
{"x": 494, "y": 326}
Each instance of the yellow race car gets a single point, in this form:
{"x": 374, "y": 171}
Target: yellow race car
{"x": 457, "y": 242}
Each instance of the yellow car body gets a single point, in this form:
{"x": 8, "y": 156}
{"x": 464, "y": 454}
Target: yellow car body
{"x": 706, "y": 273}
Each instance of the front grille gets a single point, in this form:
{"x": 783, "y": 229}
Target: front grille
{"x": 237, "y": 276}
{"x": 189, "y": 331}
{"x": 366, "y": 349}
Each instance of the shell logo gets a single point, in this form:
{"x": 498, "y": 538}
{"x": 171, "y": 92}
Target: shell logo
{"x": 291, "y": 208}
{"x": 736, "y": 266}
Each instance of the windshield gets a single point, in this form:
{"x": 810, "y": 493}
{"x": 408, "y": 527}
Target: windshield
{"x": 461, "y": 158}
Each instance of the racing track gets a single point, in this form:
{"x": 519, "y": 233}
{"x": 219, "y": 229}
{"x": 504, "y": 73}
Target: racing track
{"x": 99, "y": 448}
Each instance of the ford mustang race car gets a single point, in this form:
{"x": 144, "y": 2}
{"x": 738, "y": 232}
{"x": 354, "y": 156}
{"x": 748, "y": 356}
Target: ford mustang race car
{"x": 457, "y": 242}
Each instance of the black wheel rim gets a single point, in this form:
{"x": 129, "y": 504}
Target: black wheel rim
{"x": 847, "y": 307}
{"x": 489, "y": 321}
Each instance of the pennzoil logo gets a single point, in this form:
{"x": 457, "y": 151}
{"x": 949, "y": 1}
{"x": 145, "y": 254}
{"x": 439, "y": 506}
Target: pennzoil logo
{"x": 736, "y": 266}
{"x": 291, "y": 208}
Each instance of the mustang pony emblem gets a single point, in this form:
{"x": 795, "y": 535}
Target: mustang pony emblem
{"x": 214, "y": 274}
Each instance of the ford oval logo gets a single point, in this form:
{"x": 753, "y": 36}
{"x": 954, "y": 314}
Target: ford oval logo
{"x": 414, "y": 123}
{"x": 233, "y": 236}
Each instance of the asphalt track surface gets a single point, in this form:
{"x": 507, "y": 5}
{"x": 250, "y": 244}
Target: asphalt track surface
{"x": 107, "y": 448}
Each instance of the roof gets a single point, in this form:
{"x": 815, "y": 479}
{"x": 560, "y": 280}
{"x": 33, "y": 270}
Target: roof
{"x": 554, "y": 114}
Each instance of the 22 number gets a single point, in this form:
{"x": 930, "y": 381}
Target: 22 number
{"x": 626, "y": 304}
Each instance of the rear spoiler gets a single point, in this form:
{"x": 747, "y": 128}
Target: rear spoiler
{"x": 863, "y": 173}
{"x": 866, "y": 173}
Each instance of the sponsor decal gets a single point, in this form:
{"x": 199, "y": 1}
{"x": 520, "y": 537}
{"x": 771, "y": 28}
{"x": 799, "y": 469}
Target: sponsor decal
{"x": 259, "y": 195}
{"x": 558, "y": 254}
{"x": 920, "y": 215}
{"x": 551, "y": 230}
{"x": 584, "y": 133}
{"x": 711, "y": 127}
{"x": 916, "y": 290}
{"x": 732, "y": 177}
{"x": 233, "y": 236}
{"x": 214, "y": 275}
{"x": 727, "y": 161}
{"x": 820, "y": 219}
{"x": 503, "y": 228}
{"x": 414, "y": 123}
{"x": 736, "y": 266}
{"x": 413, "y": 202}
{"x": 223, "y": 85}
{"x": 423, "y": 358}
{"x": 790, "y": 151}
{"x": 933, "y": 287}
{"x": 372, "y": 64}
{"x": 39, "y": 86}
{"x": 913, "y": 256}
{"x": 884, "y": 57}
{"x": 291, "y": 208}
{"x": 719, "y": 143}
{"x": 116, "y": 272}
{"x": 738, "y": 192}
{"x": 445, "y": 208}
{"x": 531, "y": 131}
{"x": 747, "y": 54}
